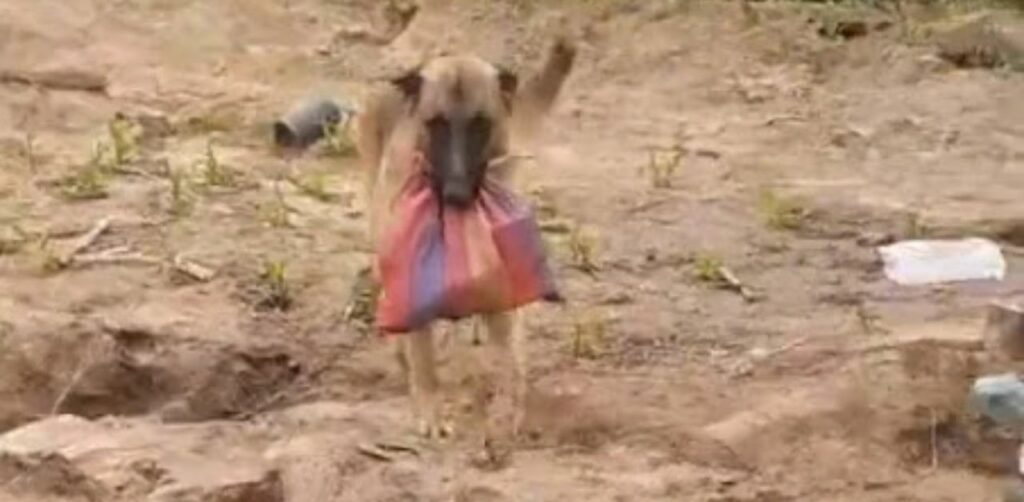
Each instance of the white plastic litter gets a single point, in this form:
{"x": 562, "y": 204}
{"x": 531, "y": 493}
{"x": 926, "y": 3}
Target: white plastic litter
{"x": 919, "y": 262}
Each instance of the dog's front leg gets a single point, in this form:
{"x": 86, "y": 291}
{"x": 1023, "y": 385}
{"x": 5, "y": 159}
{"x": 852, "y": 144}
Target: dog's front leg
{"x": 506, "y": 408}
{"x": 424, "y": 384}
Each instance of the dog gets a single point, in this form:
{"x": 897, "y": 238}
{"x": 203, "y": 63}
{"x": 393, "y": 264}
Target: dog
{"x": 466, "y": 115}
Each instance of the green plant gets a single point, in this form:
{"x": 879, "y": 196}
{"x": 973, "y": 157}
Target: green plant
{"x": 708, "y": 268}
{"x": 781, "y": 213}
{"x": 276, "y": 294}
{"x": 89, "y": 182}
{"x": 915, "y": 227}
{"x": 662, "y": 165}
{"x": 181, "y": 199}
{"x": 214, "y": 172}
{"x": 750, "y": 15}
{"x": 363, "y": 300}
{"x": 338, "y": 139}
{"x": 583, "y": 247}
{"x": 30, "y": 152}
{"x": 276, "y": 213}
{"x": 46, "y": 256}
{"x": 123, "y": 138}
{"x": 13, "y": 241}
{"x": 588, "y": 335}
{"x": 313, "y": 186}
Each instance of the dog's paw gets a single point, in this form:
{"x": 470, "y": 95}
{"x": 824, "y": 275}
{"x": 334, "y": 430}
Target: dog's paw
{"x": 435, "y": 429}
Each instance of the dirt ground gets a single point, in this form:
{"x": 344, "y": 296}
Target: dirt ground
{"x": 806, "y": 135}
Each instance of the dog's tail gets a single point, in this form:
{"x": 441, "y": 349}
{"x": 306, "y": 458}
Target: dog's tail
{"x": 537, "y": 95}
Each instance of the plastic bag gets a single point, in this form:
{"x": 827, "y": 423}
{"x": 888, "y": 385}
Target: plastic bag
{"x": 438, "y": 262}
{"x": 919, "y": 262}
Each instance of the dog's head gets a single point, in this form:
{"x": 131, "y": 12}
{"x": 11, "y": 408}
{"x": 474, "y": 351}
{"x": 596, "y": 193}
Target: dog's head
{"x": 462, "y": 105}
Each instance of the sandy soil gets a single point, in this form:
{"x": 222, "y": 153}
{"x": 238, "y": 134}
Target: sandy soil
{"x": 124, "y": 379}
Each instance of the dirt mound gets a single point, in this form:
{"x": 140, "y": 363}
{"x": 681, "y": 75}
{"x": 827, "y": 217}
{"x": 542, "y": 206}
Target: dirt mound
{"x": 133, "y": 360}
{"x": 46, "y": 477}
{"x": 123, "y": 460}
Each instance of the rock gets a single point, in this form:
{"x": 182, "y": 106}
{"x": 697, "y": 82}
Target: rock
{"x": 850, "y": 137}
{"x": 1004, "y": 329}
{"x": 217, "y": 369}
{"x": 983, "y": 40}
{"x": 309, "y": 465}
{"x": 845, "y": 29}
{"x": 136, "y": 358}
{"x": 46, "y": 476}
{"x": 1000, "y": 398}
{"x": 143, "y": 460}
{"x": 41, "y": 350}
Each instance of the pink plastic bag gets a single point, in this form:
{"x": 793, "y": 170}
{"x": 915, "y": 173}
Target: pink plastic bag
{"x": 440, "y": 262}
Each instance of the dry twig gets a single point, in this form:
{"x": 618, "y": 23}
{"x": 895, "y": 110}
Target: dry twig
{"x": 375, "y": 453}
{"x": 67, "y": 79}
{"x": 85, "y": 241}
{"x": 192, "y": 269}
{"x": 733, "y": 283}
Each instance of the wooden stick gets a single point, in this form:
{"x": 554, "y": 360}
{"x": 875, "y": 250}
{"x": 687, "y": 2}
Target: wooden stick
{"x": 67, "y": 79}
{"x": 192, "y": 269}
{"x": 85, "y": 241}
{"x": 374, "y": 453}
{"x": 72, "y": 383}
{"x": 732, "y": 282}
{"x": 116, "y": 255}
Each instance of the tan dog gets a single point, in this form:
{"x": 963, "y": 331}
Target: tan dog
{"x": 464, "y": 114}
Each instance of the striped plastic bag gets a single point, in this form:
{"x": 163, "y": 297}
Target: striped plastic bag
{"x": 437, "y": 262}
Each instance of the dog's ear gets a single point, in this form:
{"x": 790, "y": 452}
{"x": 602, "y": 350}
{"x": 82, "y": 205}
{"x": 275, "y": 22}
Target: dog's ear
{"x": 409, "y": 83}
{"x": 508, "y": 82}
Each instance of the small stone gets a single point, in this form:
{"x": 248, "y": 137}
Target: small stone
{"x": 845, "y": 29}
{"x": 759, "y": 353}
{"x": 1000, "y": 398}
{"x": 620, "y": 298}
{"x": 844, "y": 138}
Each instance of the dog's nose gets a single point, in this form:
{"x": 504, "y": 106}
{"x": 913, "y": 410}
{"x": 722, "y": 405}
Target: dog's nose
{"x": 457, "y": 196}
